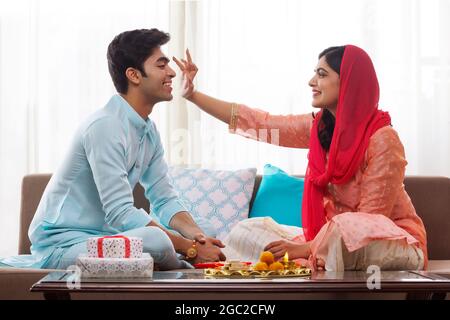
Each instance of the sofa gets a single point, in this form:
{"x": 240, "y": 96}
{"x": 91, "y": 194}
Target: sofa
{"x": 430, "y": 196}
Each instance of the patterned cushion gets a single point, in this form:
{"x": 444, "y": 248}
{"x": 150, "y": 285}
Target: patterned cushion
{"x": 221, "y": 197}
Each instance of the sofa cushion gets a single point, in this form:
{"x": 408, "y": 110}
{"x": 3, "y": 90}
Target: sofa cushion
{"x": 221, "y": 197}
{"x": 279, "y": 196}
{"x": 33, "y": 187}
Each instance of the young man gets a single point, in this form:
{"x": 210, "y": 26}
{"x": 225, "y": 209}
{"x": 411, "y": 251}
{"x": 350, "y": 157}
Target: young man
{"x": 91, "y": 194}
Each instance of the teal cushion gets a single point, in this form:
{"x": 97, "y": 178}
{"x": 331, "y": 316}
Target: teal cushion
{"x": 279, "y": 196}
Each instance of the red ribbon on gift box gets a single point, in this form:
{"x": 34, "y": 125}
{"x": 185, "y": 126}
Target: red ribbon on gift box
{"x": 100, "y": 245}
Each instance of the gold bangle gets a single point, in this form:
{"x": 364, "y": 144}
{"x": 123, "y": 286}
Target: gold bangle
{"x": 192, "y": 251}
{"x": 233, "y": 116}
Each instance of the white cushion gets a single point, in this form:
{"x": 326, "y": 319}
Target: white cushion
{"x": 249, "y": 238}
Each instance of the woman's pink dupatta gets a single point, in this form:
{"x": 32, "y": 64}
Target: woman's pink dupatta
{"x": 357, "y": 119}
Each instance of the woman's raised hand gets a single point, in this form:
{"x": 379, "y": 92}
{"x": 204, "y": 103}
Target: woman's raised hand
{"x": 189, "y": 70}
{"x": 215, "y": 107}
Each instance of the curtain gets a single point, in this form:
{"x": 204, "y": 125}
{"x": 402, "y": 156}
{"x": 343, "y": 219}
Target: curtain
{"x": 260, "y": 53}
{"x": 263, "y": 53}
{"x": 53, "y": 75}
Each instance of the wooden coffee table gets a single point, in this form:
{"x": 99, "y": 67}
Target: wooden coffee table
{"x": 192, "y": 284}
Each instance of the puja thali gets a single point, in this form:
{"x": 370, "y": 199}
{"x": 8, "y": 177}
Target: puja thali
{"x": 250, "y": 273}
{"x": 237, "y": 269}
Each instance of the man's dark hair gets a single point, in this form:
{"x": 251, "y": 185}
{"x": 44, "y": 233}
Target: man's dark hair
{"x": 333, "y": 57}
{"x": 130, "y": 49}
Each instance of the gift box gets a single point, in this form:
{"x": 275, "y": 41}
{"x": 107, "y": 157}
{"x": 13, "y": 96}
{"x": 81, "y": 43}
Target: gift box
{"x": 115, "y": 247}
{"x": 92, "y": 267}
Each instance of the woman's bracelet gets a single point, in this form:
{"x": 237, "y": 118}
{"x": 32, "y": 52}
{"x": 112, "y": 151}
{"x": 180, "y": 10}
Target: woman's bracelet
{"x": 234, "y": 113}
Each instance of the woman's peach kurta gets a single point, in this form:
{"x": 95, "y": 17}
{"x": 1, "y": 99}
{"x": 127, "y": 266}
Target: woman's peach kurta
{"x": 376, "y": 188}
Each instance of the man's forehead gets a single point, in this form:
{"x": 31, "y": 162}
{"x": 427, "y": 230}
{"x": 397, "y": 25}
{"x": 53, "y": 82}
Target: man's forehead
{"x": 158, "y": 56}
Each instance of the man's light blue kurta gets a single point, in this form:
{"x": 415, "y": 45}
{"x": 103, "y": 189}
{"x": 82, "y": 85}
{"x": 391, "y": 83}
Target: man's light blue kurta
{"x": 91, "y": 194}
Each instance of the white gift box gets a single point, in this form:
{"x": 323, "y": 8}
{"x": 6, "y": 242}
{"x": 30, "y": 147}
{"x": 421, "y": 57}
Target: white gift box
{"x": 116, "y": 267}
{"x": 115, "y": 247}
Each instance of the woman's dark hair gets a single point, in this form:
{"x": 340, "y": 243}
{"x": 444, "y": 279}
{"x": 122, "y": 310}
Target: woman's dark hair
{"x": 333, "y": 57}
{"x": 130, "y": 49}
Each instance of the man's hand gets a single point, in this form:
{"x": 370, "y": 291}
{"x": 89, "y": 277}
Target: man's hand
{"x": 200, "y": 237}
{"x": 208, "y": 249}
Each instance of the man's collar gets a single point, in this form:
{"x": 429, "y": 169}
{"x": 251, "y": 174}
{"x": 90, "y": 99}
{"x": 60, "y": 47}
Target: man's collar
{"x": 136, "y": 120}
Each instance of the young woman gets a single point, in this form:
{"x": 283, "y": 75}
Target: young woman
{"x": 355, "y": 210}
